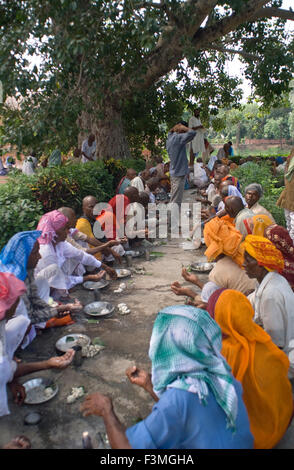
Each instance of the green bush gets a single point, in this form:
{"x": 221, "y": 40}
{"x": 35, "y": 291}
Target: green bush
{"x": 261, "y": 173}
{"x": 24, "y": 199}
{"x": 18, "y": 211}
{"x": 118, "y": 168}
{"x": 67, "y": 185}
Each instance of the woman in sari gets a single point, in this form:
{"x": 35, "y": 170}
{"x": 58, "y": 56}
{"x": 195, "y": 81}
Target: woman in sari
{"x": 257, "y": 224}
{"x": 20, "y": 257}
{"x": 280, "y": 237}
{"x": 61, "y": 264}
{"x": 258, "y": 364}
{"x": 12, "y": 331}
{"x": 199, "y": 404}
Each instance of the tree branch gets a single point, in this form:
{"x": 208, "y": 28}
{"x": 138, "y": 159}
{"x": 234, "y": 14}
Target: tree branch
{"x": 274, "y": 12}
{"x": 246, "y": 55}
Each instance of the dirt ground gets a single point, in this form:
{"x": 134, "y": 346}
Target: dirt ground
{"x": 126, "y": 340}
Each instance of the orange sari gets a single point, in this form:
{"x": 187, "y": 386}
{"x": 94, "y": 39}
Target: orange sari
{"x": 259, "y": 365}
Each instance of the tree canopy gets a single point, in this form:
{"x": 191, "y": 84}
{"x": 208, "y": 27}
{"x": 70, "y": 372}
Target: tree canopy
{"x": 126, "y": 69}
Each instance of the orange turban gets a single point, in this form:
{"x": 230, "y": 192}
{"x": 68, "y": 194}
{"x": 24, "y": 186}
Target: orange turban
{"x": 221, "y": 237}
{"x": 265, "y": 252}
{"x": 259, "y": 365}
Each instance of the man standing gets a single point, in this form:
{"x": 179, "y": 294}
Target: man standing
{"x": 197, "y": 145}
{"x": 286, "y": 199}
{"x": 89, "y": 149}
{"x": 178, "y": 137}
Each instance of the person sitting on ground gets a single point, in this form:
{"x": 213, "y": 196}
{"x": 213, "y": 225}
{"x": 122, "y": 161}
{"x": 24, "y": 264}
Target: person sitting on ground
{"x": 159, "y": 168}
{"x": 256, "y": 362}
{"x": 61, "y": 264}
{"x": 253, "y": 192}
{"x": 200, "y": 178}
{"x": 199, "y": 403}
{"x": 12, "y": 331}
{"x": 126, "y": 181}
{"x": 223, "y": 247}
{"x": 273, "y": 299}
{"x": 151, "y": 187}
{"x": 89, "y": 149}
{"x": 236, "y": 210}
{"x": 20, "y": 257}
{"x": 89, "y": 224}
{"x": 164, "y": 185}
{"x": 280, "y": 237}
{"x": 139, "y": 181}
{"x": 87, "y": 243}
{"x": 257, "y": 224}
{"x": 226, "y": 188}
{"x": 223, "y": 152}
{"x": 119, "y": 204}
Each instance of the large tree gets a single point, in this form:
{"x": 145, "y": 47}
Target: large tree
{"x": 128, "y": 67}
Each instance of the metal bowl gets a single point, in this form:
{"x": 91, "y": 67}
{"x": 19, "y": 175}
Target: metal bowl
{"x": 95, "y": 309}
{"x": 36, "y": 391}
{"x": 93, "y": 285}
{"x": 202, "y": 267}
{"x": 123, "y": 273}
{"x": 134, "y": 254}
{"x": 65, "y": 343}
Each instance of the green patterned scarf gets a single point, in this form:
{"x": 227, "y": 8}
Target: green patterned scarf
{"x": 185, "y": 353}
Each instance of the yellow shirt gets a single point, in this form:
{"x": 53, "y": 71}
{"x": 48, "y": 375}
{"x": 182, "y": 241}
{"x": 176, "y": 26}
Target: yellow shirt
{"x": 83, "y": 225}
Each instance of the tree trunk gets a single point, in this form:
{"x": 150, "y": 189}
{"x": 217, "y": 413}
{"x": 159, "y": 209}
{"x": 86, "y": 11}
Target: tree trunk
{"x": 111, "y": 141}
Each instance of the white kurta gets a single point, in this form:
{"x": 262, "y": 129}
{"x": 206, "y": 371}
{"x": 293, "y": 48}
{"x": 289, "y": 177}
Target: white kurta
{"x": 138, "y": 183}
{"x": 198, "y": 141}
{"x": 200, "y": 177}
{"x": 63, "y": 266}
{"x": 273, "y": 303}
{"x": 11, "y": 336}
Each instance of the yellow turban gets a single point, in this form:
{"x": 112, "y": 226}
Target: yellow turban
{"x": 265, "y": 252}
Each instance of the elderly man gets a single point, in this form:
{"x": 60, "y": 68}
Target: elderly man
{"x": 89, "y": 149}
{"x": 178, "y": 137}
{"x": 273, "y": 299}
{"x": 85, "y": 224}
{"x": 235, "y": 208}
{"x": 253, "y": 192}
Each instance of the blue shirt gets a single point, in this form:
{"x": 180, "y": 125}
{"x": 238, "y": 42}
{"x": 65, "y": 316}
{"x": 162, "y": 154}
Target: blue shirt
{"x": 176, "y": 149}
{"x": 180, "y": 421}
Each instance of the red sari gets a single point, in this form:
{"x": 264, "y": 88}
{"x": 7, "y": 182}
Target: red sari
{"x": 280, "y": 237}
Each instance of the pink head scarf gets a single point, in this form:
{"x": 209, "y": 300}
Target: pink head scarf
{"x": 11, "y": 289}
{"x": 48, "y": 224}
